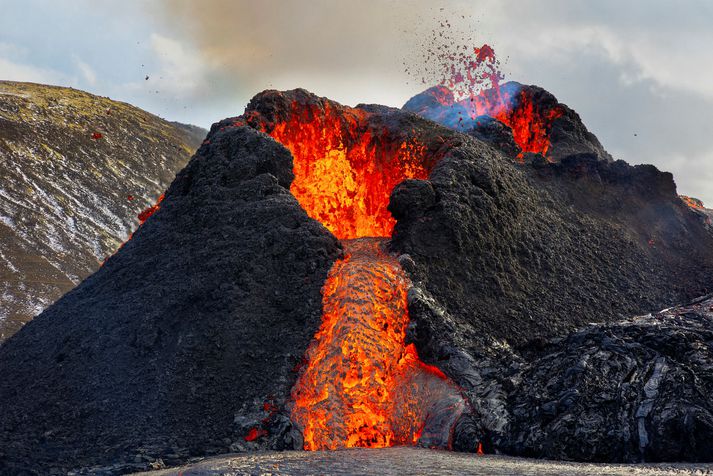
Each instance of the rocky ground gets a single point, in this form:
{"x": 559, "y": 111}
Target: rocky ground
{"x": 404, "y": 461}
{"x": 76, "y": 170}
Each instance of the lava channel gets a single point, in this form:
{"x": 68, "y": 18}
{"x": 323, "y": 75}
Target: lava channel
{"x": 363, "y": 386}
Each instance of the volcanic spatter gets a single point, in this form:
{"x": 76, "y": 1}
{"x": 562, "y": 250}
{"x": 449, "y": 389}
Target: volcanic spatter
{"x": 470, "y": 86}
{"x": 512, "y": 104}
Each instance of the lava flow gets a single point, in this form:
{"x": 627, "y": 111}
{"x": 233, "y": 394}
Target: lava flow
{"x": 692, "y": 202}
{"x": 363, "y": 387}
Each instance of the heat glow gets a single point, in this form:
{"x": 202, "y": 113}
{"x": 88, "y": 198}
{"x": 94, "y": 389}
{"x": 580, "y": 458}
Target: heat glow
{"x": 514, "y": 106}
{"x": 692, "y": 202}
{"x": 344, "y": 167}
{"x": 361, "y": 386}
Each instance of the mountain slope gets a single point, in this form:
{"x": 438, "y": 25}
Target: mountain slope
{"x": 75, "y": 170}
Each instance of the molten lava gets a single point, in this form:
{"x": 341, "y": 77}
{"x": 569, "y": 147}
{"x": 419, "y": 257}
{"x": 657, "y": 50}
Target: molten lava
{"x": 692, "y": 202}
{"x": 345, "y": 168}
{"x": 363, "y": 387}
{"x": 470, "y": 86}
{"x": 361, "y": 384}
{"x": 146, "y": 214}
{"x": 512, "y": 105}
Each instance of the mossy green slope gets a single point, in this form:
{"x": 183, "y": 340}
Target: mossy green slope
{"x": 75, "y": 170}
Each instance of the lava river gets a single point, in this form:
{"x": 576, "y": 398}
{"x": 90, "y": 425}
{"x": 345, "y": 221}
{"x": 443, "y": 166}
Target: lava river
{"x": 363, "y": 387}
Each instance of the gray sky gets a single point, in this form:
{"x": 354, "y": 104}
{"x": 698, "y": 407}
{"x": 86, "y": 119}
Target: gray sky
{"x": 639, "y": 67}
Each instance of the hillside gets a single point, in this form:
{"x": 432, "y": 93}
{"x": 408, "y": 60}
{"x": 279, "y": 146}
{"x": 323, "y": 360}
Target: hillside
{"x": 75, "y": 170}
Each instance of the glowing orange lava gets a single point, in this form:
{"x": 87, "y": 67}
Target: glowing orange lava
{"x": 692, "y": 202}
{"x": 146, "y": 214}
{"x": 514, "y": 106}
{"x": 363, "y": 387}
{"x": 345, "y": 169}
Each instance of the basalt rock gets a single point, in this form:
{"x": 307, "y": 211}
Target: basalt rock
{"x": 635, "y": 390}
{"x": 495, "y": 133}
{"x": 520, "y": 255}
{"x": 186, "y": 341}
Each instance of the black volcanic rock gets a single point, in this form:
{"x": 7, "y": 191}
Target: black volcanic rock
{"x": 411, "y": 197}
{"x": 636, "y": 390}
{"x": 508, "y": 258}
{"x": 520, "y": 255}
{"x": 495, "y": 133}
{"x": 200, "y": 318}
{"x": 76, "y": 170}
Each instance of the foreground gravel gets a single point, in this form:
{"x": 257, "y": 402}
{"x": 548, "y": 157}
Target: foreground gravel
{"x": 403, "y": 461}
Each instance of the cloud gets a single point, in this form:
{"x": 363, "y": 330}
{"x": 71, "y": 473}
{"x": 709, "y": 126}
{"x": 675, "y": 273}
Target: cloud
{"x": 10, "y": 50}
{"x": 329, "y": 46}
{"x": 87, "y": 72}
{"x": 13, "y": 71}
{"x": 665, "y": 42}
{"x": 175, "y": 72}
{"x": 14, "y": 66}
{"x": 181, "y": 69}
